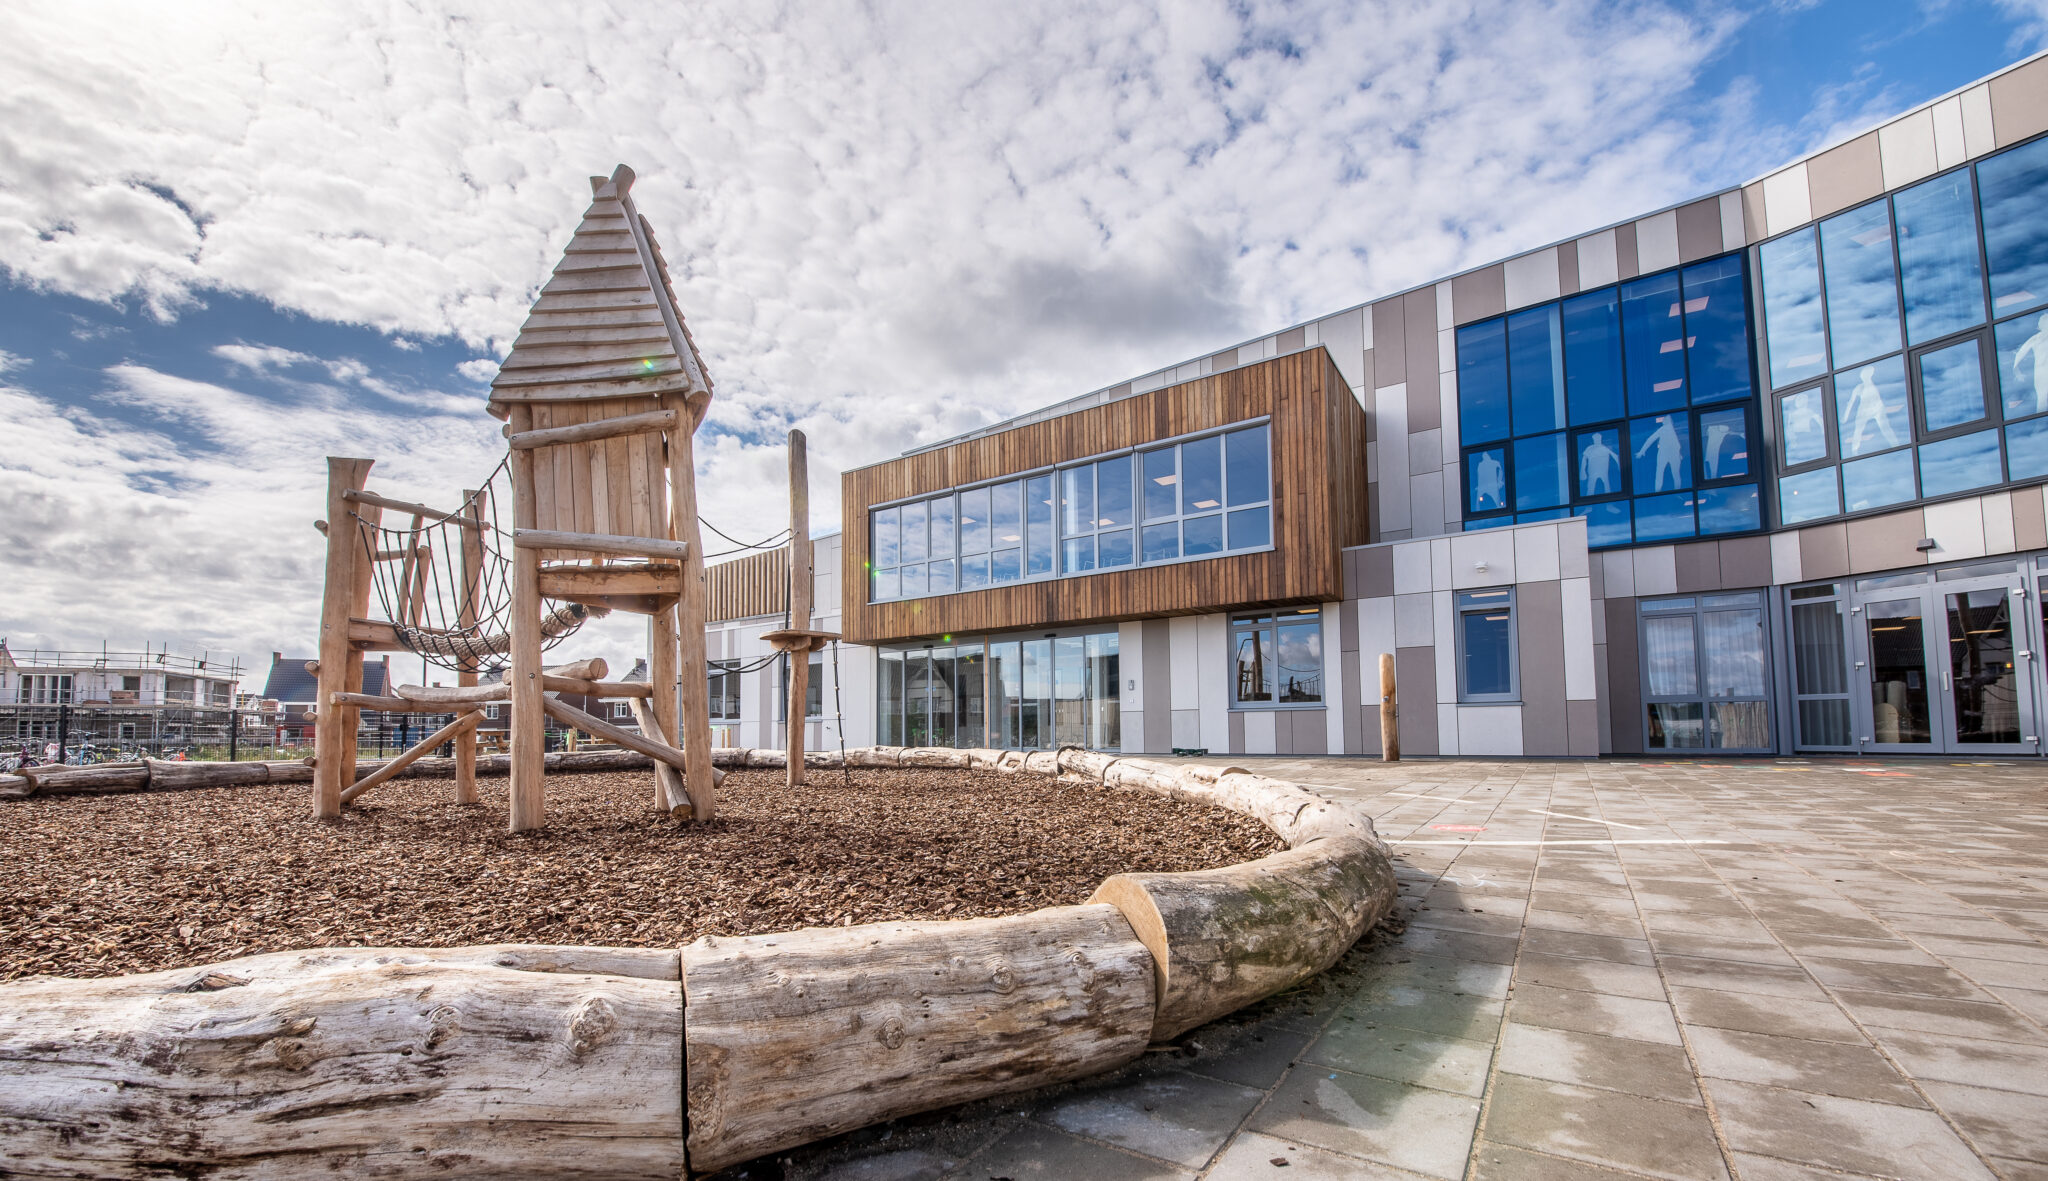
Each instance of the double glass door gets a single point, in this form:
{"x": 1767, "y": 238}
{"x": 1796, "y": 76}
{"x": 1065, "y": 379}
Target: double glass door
{"x": 1947, "y": 663}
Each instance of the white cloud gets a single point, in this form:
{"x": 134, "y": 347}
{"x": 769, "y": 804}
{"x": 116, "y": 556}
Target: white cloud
{"x": 478, "y": 369}
{"x": 9, "y": 362}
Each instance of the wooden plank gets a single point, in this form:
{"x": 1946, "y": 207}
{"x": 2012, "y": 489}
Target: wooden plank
{"x": 465, "y": 721}
{"x": 650, "y": 332}
{"x": 592, "y": 301}
{"x": 396, "y": 705}
{"x": 405, "y": 506}
{"x": 599, "y": 543}
{"x": 597, "y": 258}
{"x": 601, "y": 236}
{"x": 529, "y": 763}
{"x": 567, "y": 354}
{"x": 558, "y": 582}
{"x": 693, "y": 728}
{"x": 632, "y": 319}
{"x": 335, "y": 730}
{"x": 613, "y": 278}
{"x": 583, "y": 390}
{"x": 630, "y": 369}
{"x": 670, "y": 796}
{"x": 569, "y": 715}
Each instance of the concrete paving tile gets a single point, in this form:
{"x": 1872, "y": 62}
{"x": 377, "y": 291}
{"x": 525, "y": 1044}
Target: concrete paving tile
{"x": 1590, "y": 1060}
{"x": 1254, "y": 1058}
{"x": 1737, "y": 976}
{"x": 1423, "y": 1009}
{"x": 1414, "y": 1128}
{"x": 1603, "y": 1128}
{"x": 1912, "y": 979}
{"x": 1619, "y": 905}
{"x": 1449, "y": 975}
{"x": 1035, "y": 1152}
{"x": 1252, "y": 1154}
{"x": 1177, "y": 1117}
{"x": 1486, "y": 949}
{"x": 1506, "y": 925}
{"x": 2030, "y": 1004}
{"x": 1999, "y": 973}
{"x": 1783, "y": 1016}
{"x": 1540, "y": 941}
{"x": 1871, "y": 951}
{"x": 2019, "y": 1170}
{"x": 1881, "y": 1139}
{"x": 1716, "y": 947}
{"x": 2012, "y": 951}
{"x": 1404, "y": 1056}
{"x": 909, "y": 1164}
{"x": 1503, "y": 1162}
{"x": 2003, "y": 1123}
{"x": 1589, "y": 976}
{"x": 1615, "y": 926}
{"x": 1707, "y": 924}
{"x": 1994, "y": 1022}
{"x": 1829, "y": 1068}
{"x": 1770, "y": 1168}
{"x": 1592, "y": 1012}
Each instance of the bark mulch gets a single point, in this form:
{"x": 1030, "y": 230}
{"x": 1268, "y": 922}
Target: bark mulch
{"x": 103, "y": 885}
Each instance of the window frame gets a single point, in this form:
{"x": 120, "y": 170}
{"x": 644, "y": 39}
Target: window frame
{"x": 1059, "y": 536}
{"x": 1694, "y": 608}
{"x": 1466, "y": 602}
{"x": 722, "y": 669}
{"x": 1268, "y": 623}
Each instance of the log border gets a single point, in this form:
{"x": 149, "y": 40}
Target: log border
{"x": 1024, "y": 1010}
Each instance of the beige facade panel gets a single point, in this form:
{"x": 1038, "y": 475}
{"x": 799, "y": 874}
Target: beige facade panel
{"x": 1699, "y": 229}
{"x": 1845, "y": 175}
{"x": 1479, "y": 294}
{"x": 2019, "y": 102}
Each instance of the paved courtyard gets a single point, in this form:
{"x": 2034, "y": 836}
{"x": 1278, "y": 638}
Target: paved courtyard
{"x": 1771, "y": 970}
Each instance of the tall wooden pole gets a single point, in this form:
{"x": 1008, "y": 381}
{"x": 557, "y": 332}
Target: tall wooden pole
{"x": 1390, "y": 712}
{"x": 472, "y": 589}
{"x": 695, "y": 725}
{"x": 661, "y": 709}
{"x": 799, "y": 656}
{"x": 334, "y": 726}
{"x": 529, "y": 722}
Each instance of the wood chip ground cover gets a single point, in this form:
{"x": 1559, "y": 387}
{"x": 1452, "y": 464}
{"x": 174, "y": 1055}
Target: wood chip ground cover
{"x": 137, "y": 883}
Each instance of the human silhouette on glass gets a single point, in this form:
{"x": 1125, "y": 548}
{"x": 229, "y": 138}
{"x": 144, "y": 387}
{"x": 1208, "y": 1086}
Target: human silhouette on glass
{"x": 1710, "y": 451}
{"x": 1596, "y": 467}
{"x": 1489, "y": 482}
{"x": 2033, "y": 351}
{"x": 1803, "y": 422}
{"x": 1664, "y": 440}
{"x": 1866, "y": 409}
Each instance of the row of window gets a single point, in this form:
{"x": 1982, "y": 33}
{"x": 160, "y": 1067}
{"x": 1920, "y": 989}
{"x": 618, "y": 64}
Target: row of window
{"x": 1631, "y": 406}
{"x": 1202, "y": 496}
{"x": 1904, "y": 338}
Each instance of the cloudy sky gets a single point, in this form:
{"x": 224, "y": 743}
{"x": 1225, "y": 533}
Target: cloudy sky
{"x": 235, "y": 238}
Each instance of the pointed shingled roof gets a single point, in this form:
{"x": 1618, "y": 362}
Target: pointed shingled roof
{"x": 606, "y": 324}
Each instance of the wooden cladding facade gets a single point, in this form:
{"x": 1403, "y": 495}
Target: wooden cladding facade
{"x": 1318, "y": 434}
{"x": 757, "y": 584}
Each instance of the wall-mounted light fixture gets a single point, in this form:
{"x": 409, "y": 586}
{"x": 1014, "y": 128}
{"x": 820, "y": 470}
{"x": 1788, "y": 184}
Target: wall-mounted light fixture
{"x": 1926, "y": 545}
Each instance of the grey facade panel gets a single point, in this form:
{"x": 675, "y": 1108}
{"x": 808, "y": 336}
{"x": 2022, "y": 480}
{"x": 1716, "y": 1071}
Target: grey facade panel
{"x": 1348, "y": 666}
{"x": 1375, "y": 572}
{"x": 1415, "y": 696}
{"x": 1824, "y": 551}
{"x": 1582, "y": 728}
{"x": 1539, "y": 620}
{"x": 1290, "y": 340}
{"x": 1624, "y": 683}
{"x": 1311, "y": 729}
{"x": 1236, "y": 733}
{"x": 1568, "y": 268}
{"x": 1625, "y": 251}
{"x": 1157, "y": 636}
{"x": 1886, "y": 542}
{"x": 1745, "y": 562}
{"x": 1698, "y": 565}
{"x": 1479, "y": 295}
{"x": 2029, "y": 521}
{"x": 1389, "y": 346}
{"x": 1699, "y": 230}
{"x": 1418, "y": 316}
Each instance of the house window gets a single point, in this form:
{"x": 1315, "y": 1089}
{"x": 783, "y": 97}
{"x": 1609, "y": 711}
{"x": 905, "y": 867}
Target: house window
{"x": 1487, "y": 668}
{"x": 491, "y": 713}
{"x": 814, "y": 688}
{"x": 1631, "y": 406}
{"x": 1196, "y": 497}
{"x": 47, "y": 688}
{"x": 724, "y": 678}
{"x": 1705, "y": 673}
{"x": 621, "y": 710}
{"x": 1278, "y": 659}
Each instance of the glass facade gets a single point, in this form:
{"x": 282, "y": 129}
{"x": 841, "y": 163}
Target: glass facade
{"x": 1631, "y": 406}
{"x": 1010, "y": 693}
{"x": 1277, "y": 659}
{"x": 1196, "y": 497}
{"x": 1706, "y": 679}
{"x": 1904, "y": 339}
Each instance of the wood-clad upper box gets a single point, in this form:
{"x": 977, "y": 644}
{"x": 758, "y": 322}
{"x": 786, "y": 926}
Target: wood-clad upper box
{"x": 1317, "y": 434}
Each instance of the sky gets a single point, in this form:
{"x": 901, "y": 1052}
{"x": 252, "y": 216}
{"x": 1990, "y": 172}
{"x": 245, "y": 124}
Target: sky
{"x": 238, "y": 238}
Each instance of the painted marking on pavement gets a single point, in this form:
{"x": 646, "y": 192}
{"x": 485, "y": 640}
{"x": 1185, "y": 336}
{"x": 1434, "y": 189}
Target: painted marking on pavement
{"x": 1594, "y": 819}
{"x": 1611, "y": 841}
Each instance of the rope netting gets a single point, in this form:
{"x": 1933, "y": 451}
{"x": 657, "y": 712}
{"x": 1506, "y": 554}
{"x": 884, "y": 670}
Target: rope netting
{"x": 448, "y": 602}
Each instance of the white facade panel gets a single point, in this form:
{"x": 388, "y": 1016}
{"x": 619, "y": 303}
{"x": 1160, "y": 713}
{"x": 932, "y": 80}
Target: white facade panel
{"x": 1575, "y": 596}
{"x": 1484, "y": 558}
{"x": 1957, "y": 528}
{"x": 1536, "y": 553}
{"x": 1183, "y": 639}
{"x": 1212, "y": 672}
{"x": 1656, "y": 570}
{"x": 1532, "y": 278}
{"x": 1947, "y": 117}
{"x": 1599, "y": 265}
{"x": 1787, "y": 200}
{"x": 1490, "y": 731}
{"x": 1906, "y": 149}
{"x": 1657, "y": 241}
{"x": 1978, "y": 137}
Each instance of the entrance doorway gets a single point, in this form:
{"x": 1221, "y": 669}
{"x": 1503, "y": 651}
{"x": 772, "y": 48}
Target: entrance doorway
{"x": 1944, "y": 661}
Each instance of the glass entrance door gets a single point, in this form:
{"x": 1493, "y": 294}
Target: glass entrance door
{"x": 1894, "y": 662}
{"x": 1985, "y": 683}
{"x": 1944, "y": 663}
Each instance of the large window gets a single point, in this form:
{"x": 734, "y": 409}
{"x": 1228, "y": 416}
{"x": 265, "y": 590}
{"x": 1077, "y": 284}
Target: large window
{"x": 46, "y": 688}
{"x": 724, "y": 679}
{"x": 1705, "y": 673}
{"x": 1191, "y": 498}
{"x": 1487, "y": 670}
{"x": 1278, "y": 659}
{"x": 814, "y": 688}
{"x": 1026, "y": 694}
{"x": 1631, "y": 406}
{"x": 1905, "y": 339}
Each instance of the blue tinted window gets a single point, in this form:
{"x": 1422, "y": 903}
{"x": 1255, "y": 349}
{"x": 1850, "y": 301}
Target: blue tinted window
{"x": 1724, "y": 444}
{"x": 1716, "y": 330}
{"x": 1803, "y": 425}
{"x": 1952, "y": 385}
{"x": 1793, "y": 334}
{"x": 2023, "y": 365}
{"x": 2026, "y": 448}
{"x": 1201, "y": 475}
{"x": 1661, "y": 518}
{"x": 1006, "y": 516}
{"x": 1541, "y": 472}
{"x": 1201, "y": 535}
{"x": 2014, "y": 190}
{"x": 1486, "y": 481}
{"x": 1939, "y": 266}
{"x": 1871, "y": 408}
{"x": 1877, "y": 481}
{"x": 973, "y": 571}
{"x": 1959, "y": 464}
{"x": 887, "y": 584}
{"x": 1162, "y": 542}
{"x": 1808, "y": 497}
{"x": 1606, "y": 524}
{"x": 1244, "y": 462}
{"x": 912, "y": 584}
{"x": 1653, "y": 343}
{"x": 1733, "y": 509}
{"x": 1660, "y": 455}
{"x": 941, "y": 512}
{"x": 1483, "y": 381}
{"x": 1592, "y": 356}
{"x": 1038, "y": 538}
{"x": 1113, "y": 491}
{"x": 1536, "y": 370}
{"x": 914, "y": 532}
{"x": 1162, "y": 484}
{"x": 1077, "y": 501}
{"x": 1599, "y": 463}
{"x": 942, "y": 577}
{"x": 1863, "y": 288}
{"x": 1251, "y": 527}
{"x": 1116, "y": 548}
{"x": 1006, "y": 565}
{"x": 1078, "y": 554}
{"x": 888, "y": 549}
{"x": 974, "y": 521}
{"x": 1548, "y": 514}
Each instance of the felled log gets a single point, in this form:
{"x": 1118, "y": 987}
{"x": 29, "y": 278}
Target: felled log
{"x": 474, "y": 1062}
{"x": 874, "y": 756}
{"x": 396, "y": 765}
{"x": 95, "y": 778}
{"x": 762, "y": 757}
{"x": 806, "y": 1034}
{"x": 1083, "y": 763}
{"x": 933, "y": 756}
{"x": 1042, "y": 762}
{"x": 15, "y": 787}
{"x": 164, "y": 774}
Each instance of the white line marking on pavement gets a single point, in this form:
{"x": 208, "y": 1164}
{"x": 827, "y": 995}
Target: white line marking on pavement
{"x": 1593, "y": 819}
{"x": 1618, "y": 841}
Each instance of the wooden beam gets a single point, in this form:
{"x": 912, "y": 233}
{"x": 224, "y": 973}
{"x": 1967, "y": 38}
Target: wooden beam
{"x": 529, "y": 723}
{"x": 335, "y": 728}
{"x": 466, "y": 616}
{"x": 466, "y": 721}
{"x": 402, "y": 704}
{"x": 605, "y": 428}
{"x": 799, "y": 601}
{"x": 569, "y": 715}
{"x": 668, "y": 782}
{"x": 374, "y": 635}
{"x": 406, "y": 506}
{"x": 693, "y": 729}
{"x": 570, "y": 582}
{"x": 599, "y": 543}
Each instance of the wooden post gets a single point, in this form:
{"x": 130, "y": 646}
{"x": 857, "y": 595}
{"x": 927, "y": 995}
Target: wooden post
{"x": 695, "y": 729}
{"x": 799, "y": 599}
{"x": 334, "y": 726}
{"x": 661, "y": 670}
{"x": 1390, "y": 712}
{"x": 472, "y": 591}
{"x": 529, "y": 722}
